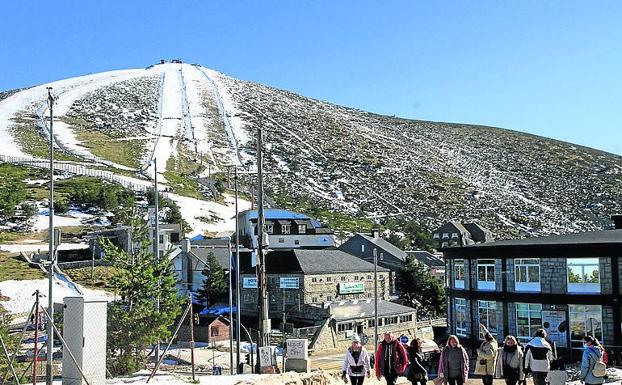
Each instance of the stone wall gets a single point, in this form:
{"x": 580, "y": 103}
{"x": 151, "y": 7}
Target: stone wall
{"x": 606, "y": 286}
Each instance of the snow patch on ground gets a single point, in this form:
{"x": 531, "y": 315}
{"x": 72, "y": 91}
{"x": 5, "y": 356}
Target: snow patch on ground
{"x": 35, "y": 247}
{"x": 38, "y": 95}
{"x": 191, "y": 209}
{"x": 21, "y": 299}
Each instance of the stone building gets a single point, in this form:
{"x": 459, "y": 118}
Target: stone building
{"x": 299, "y": 281}
{"x": 285, "y": 230}
{"x": 357, "y": 316}
{"x": 455, "y": 233}
{"x": 568, "y": 284}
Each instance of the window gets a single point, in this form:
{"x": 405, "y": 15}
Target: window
{"x": 583, "y": 275}
{"x": 459, "y": 274}
{"x": 368, "y": 295}
{"x": 269, "y": 228}
{"x": 314, "y": 299}
{"x": 527, "y": 274}
{"x": 281, "y": 240}
{"x": 161, "y": 238}
{"x": 445, "y": 235}
{"x": 370, "y": 323}
{"x": 329, "y": 297}
{"x": 296, "y": 242}
{"x": 174, "y": 237}
{"x": 436, "y": 236}
{"x": 487, "y": 315}
{"x": 461, "y": 316}
{"x": 285, "y": 229}
{"x": 362, "y": 248}
{"x": 356, "y": 277}
{"x": 343, "y": 326}
{"x": 343, "y": 278}
{"x": 313, "y": 279}
{"x": 329, "y": 279}
{"x": 214, "y": 332}
{"x": 585, "y": 320}
{"x": 406, "y": 318}
{"x": 486, "y": 274}
{"x": 302, "y": 229}
{"x": 368, "y": 276}
{"x": 528, "y": 320}
{"x": 390, "y": 320}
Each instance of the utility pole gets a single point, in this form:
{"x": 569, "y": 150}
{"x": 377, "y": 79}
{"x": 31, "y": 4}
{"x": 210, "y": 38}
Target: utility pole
{"x": 375, "y": 299}
{"x": 264, "y": 321}
{"x": 191, "y": 317}
{"x": 237, "y": 271}
{"x": 156, "y": 243}
{"x": 51, "y": 251}
{"x": 36, "y": 350}
{"x": 231, "y": 369}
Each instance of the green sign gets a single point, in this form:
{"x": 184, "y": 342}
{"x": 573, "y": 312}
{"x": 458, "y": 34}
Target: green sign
{"x": 351, "y": 288}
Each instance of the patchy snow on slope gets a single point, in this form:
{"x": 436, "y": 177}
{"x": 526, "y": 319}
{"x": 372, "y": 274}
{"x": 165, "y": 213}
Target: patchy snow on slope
{"x": 171, "y": 118}
{"x": 192, "y": 209}
{"x": 24, "y": 100}
{"x": 35, "y": 247}
{"x": 196, "y": 86}
{"x": 233, "y": 122}
{"x": 21, "y": 299}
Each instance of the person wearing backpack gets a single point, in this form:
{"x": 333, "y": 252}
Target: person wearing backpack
{"x": 593, "y": 369}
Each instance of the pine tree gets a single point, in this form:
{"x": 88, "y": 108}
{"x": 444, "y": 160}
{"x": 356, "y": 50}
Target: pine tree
{"x": 140, "y": 279}
{"x": 215, "y": 285}
{"x": 415, "y": 283}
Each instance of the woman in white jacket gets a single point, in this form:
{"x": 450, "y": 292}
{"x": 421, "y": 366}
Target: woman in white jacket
{"x": 356, "y": 364}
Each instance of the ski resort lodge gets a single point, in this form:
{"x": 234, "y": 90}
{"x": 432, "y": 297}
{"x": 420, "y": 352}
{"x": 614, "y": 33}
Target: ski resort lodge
{"x": 567, "y": 284}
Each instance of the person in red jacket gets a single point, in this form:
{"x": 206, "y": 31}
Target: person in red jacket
{"x": 391, "y": 359}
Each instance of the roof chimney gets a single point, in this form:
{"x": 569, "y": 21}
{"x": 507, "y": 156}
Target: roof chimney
{"x": 617, "y": 221}
{"x": 375, "y": 232}
{"x": 185, "y": 245}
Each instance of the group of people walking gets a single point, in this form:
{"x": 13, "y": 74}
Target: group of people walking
{"x": 391, "y": 360}
{"x": 509, "y": 362}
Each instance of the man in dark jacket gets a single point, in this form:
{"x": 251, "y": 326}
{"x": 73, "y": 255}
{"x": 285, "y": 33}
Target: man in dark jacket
{"x": 391, "y": 359}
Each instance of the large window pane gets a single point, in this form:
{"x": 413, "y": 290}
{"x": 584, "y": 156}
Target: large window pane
{"x": 583, "y": 275}
{"x": 461, "y": 316}
{"x": 528, "y": 320}
{"x": 527, "y": 274}
{"x": 487, "y": 315}
{"x": 585, "y": 320}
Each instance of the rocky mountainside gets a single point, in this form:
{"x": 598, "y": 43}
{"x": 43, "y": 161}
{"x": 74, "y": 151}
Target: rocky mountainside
{"x": 191, "y": 118}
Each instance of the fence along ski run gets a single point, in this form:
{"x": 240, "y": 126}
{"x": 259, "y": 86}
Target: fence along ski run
{"x": 78, "y": 170}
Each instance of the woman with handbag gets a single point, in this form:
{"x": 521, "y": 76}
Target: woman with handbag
{"x": 486, "y": 359}
{"x": 510, "y": 362}
{"x": 453, "y": 366}
{"x": 415, "y": 372}
{"x": 356, "y": 364}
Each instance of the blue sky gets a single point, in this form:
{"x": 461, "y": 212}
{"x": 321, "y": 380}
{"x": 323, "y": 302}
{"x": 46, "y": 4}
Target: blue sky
{"x": 549, "y": 68}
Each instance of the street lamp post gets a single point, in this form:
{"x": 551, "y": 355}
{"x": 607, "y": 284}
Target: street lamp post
{"x": 156, "y": 243}
{"x": 237, "y": 269}
{"x": 52, "y": 250}
{"x": 375, "y": 298}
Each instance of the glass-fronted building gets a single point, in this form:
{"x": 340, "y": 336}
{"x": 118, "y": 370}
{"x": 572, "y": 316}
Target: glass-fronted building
{"x": 566, "y": 284}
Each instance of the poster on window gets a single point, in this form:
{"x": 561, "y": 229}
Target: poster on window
{"x": 554, "y": 322}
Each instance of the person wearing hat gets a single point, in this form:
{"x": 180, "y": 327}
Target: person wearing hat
{"x": 356, "y": 364}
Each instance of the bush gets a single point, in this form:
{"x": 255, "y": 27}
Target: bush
{"x": 61, "y": 206}
{"x": 29, "y": 210}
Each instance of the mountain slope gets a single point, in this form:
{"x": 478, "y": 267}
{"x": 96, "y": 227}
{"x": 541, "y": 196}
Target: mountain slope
{"x": 367, "y": 165}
